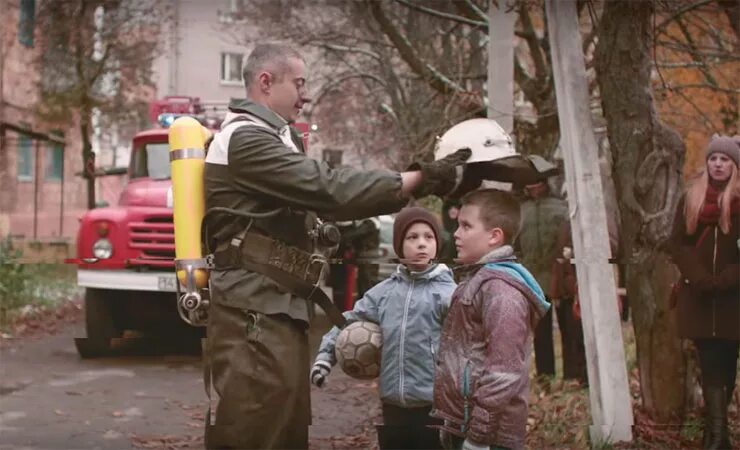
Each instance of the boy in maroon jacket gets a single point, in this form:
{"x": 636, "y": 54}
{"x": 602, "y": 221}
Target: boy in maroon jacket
{"x": 482, "y": 381}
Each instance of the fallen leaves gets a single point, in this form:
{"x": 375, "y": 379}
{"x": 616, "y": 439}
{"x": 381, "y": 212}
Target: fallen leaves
{"x": 170, "y": 442}
{"x": 35, "y": 321}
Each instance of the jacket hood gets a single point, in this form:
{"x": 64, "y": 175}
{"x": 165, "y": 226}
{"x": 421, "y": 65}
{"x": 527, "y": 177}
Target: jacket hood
{"x": 532, "y": 291}
{"x": 239, "y": 106}
{"x": 438, "y": 272}
{"x": 501, "y": 263}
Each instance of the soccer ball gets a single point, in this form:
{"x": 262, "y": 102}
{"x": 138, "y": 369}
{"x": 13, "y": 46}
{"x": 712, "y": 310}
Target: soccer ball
{"x": 358, "y": 350}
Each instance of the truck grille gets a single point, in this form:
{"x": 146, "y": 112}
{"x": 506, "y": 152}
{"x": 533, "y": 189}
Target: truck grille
{"x": 154, "y": 237}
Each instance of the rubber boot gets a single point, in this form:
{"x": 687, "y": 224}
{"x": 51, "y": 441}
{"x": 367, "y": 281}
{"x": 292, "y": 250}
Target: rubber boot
{"x": 715, "y": 428}
{"x": 391, "y": 437}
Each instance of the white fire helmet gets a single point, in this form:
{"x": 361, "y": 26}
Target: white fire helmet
{"x": 484, "y": 137}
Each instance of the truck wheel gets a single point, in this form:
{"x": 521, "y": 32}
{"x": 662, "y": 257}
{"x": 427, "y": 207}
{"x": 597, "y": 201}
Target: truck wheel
{"x": 100, "y": 323}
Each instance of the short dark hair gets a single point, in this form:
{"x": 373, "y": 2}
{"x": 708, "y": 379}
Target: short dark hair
{"x": 267, "y": 55}
{"x": 498, "y": 209}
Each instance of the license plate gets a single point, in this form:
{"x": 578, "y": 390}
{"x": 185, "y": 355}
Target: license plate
{"x": 167, "y": 283}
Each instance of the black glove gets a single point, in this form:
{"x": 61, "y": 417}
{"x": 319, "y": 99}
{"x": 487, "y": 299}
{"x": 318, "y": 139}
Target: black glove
{"x": 447, "y": 177}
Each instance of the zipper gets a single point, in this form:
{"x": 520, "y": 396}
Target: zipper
{"x": 402, "y": 344}
{"x": 431, "y": 349}
{"x": 714, "y": 273}
{"x": 537, "y": 222}
{"x": 465, "y": 385}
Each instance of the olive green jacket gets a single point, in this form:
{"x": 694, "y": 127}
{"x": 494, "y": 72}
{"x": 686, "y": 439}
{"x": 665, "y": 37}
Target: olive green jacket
{"x": 259, "y": 165}
{"x": 542, "y": 220}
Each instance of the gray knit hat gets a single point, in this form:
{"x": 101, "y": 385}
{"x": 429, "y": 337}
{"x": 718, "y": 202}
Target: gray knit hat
{"x": 727, "y": 145}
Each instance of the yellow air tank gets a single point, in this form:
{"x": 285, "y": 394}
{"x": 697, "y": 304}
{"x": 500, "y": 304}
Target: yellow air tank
{"x": 187, "y": 159}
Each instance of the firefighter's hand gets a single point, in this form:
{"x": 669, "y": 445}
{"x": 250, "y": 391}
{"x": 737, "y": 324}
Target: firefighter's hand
{"x": 445, "y": 177}
{"x": 319, "y": 372}
{"x": 470, "y": 445}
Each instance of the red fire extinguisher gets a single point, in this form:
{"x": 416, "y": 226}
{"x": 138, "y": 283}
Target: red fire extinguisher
{"x": 351, "y": 274}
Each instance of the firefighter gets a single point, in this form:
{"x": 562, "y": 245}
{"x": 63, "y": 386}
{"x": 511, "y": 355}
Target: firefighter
{"x": 257, "y": 356}
{"x": 543, "y": 215}
{"x": 359, "y": 244}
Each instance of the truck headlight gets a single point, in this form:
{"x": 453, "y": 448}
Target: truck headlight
{"x": 102, "y": 249}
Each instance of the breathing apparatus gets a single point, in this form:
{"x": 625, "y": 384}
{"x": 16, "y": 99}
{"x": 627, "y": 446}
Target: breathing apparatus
{"x": 187, "y": 139}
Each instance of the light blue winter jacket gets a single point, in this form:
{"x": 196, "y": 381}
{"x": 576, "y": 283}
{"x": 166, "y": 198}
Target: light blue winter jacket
{"x": 410, "y": 308}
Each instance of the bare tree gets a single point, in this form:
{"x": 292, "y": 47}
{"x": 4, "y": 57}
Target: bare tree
{"x": 98, "y": 55}
{"x": 650, "y": 157}
{"x": 637, "y": 42}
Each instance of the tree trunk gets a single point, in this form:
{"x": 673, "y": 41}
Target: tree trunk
{"x": 648, "y": 157}
{"x": 88, "y": 157}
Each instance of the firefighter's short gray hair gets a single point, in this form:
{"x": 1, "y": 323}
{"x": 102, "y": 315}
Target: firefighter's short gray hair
{"x": 268, "y": 56}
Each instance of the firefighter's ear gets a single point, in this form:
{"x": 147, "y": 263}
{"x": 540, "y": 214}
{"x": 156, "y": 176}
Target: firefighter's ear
{"x": 265, "y": 80}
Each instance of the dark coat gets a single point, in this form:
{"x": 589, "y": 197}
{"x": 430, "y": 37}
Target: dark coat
{"x": 713, "y": 313}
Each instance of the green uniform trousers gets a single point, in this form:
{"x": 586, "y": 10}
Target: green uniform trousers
{"x": 259, "y": 367}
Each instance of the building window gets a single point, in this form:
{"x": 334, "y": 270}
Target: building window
{"x": 235, "y": 14}
{"x": 231, "y": 68}
{"x": 54, "y": 162}
{"x": 25, "y": 158}
{"x": 332, "y": 157}
{"x": 26, "y": 20}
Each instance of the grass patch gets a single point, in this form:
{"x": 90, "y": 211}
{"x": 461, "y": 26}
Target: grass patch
{"x": 30, "y": 287}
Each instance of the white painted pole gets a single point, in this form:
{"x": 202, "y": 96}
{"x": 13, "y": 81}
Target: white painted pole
{"x": 501, "y": 65}
{"x": 611, "y": 409}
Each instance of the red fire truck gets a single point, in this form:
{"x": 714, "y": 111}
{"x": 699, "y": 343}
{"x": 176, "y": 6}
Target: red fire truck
{"x": 125, "y": 253}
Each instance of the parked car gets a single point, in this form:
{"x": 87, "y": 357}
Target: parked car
{"x": 385, "y": 252}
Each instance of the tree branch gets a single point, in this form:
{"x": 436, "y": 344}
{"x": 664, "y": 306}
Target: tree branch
{"x": 474, "y": 9}
{"x": 444, "y": 15}
{"x": 678, "y": 13}
{"x": 706, "y": 119}
{"x": 732, "y": 11}
{"x": 695, "y": 54}
{"x": 348, "y": 49}
{"x": 670, "y": 87}
{"x": 526, "y": 83}
{"x": 708, "y": 52}
{"x": 328, "y": 87}
{"x": 435, "y": 79}
{"x": 535, "y": 50}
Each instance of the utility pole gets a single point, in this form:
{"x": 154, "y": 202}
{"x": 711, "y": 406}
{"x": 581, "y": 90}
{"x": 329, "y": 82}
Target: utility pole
{"x": 611, "y": 408}
{"x": 501, "y": 64}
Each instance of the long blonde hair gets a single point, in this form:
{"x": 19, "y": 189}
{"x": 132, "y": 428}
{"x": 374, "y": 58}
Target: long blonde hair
{"x": 696, "y": 193}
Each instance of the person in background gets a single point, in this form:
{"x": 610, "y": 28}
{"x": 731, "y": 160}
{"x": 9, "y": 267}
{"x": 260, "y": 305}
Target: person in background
{"x": 704, "y": 245}
{"x": 450, "y": 210}
{"x": 543, "y": 215}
